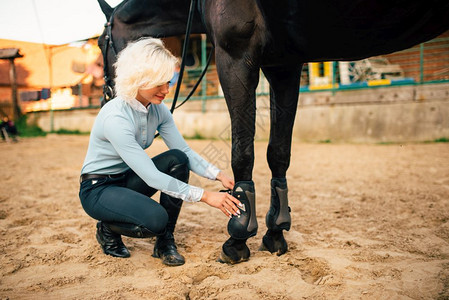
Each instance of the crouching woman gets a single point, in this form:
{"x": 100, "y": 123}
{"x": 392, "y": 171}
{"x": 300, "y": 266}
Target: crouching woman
{"x": 118, "y": 178}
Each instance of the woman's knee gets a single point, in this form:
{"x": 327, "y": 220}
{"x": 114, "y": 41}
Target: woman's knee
{"x": 166, "y": 161}
{"x": 178, "y": 157}
{"x": 179, "y": 165}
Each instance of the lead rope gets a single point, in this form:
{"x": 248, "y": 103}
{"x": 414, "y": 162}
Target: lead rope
{"x": 184, "y": 53}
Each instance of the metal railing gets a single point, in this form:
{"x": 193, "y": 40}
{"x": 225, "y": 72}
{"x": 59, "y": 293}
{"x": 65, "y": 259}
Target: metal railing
{"x": 422, "y": 64}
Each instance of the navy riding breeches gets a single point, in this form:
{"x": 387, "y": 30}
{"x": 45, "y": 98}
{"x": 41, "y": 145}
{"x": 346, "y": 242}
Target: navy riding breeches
{"x": 126, "y": 198}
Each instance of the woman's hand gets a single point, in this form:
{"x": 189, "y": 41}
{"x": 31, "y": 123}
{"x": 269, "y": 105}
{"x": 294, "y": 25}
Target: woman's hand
{"x": 226, "y": 180}
{"x": 223, "y": 201}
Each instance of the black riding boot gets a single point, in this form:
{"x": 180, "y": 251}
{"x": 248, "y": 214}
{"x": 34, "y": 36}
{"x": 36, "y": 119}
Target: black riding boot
{"x": 111, "y": 242}
{"x": 165, "y": 247}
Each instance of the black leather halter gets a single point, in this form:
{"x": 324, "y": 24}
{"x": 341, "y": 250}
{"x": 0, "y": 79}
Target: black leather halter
{"x": 108, "y": 87}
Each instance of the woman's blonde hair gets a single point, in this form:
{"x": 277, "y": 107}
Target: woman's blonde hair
{"x": 145, "y": 63}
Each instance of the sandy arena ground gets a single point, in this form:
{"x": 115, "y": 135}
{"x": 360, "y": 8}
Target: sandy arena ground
{"x": 369, "y": 222}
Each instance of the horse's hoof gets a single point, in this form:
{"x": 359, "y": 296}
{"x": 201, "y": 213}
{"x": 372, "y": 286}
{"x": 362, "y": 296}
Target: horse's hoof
{"x": 224, "y": 259}
{"x": 234, "y": 252}
{"x": 274, "y": 242}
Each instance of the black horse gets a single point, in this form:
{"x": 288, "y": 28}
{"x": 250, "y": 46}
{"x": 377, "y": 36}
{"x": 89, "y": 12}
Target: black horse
{"x": 277, "y": 37}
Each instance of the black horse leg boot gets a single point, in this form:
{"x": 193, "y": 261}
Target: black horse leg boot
{"x": 111, "y": 242}
{"x": 241, "y": 227}
{"x": 165, "y": 247}
{"x": 244, "y": 226}
{"x": 278, "y": 218}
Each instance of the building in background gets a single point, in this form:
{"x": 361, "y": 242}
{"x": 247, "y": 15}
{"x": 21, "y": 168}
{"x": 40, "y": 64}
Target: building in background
{"x": 70, "y": 76}
{"x": 52, "y": 77}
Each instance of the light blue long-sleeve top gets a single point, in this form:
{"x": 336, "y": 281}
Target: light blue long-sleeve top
{"x": 120, "y": 134}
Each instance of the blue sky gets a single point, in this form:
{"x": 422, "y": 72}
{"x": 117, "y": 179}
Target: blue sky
{"x": 51, "y": 21}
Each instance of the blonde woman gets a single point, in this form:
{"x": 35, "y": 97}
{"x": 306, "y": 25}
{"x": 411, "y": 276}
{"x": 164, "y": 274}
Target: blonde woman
{"x": 118, "y": 177}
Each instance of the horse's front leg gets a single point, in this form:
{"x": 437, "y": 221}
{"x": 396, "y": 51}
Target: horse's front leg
{"x": 238, "y": 32}
{"x": 239, "y": 80}
{"x": 284, "y": 84}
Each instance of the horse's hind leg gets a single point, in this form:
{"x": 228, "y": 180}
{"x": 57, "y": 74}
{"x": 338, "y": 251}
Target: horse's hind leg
{"x": 284, "y": 83}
